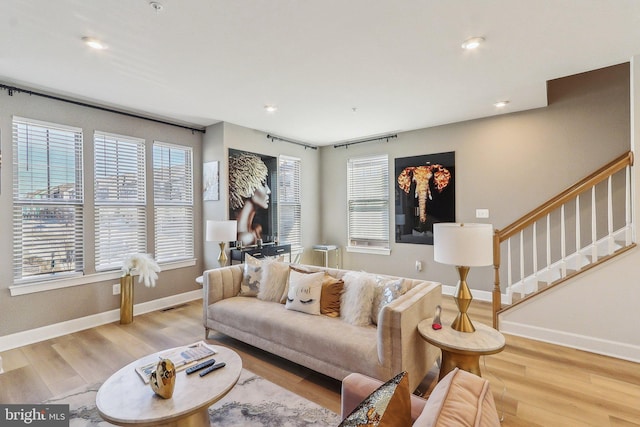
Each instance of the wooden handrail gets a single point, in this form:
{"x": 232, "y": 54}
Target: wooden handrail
{"x": 570, "y": 193}
{"x": 540, "y": 212}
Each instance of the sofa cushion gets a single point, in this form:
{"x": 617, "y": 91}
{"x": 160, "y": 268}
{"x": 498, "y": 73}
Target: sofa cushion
{"x": 460, "y": 399}
{"x": 332, "y": 289}
{"x": 273, "y": 281}
{"x": 357, "y": 299}
{"x": 385, "y": 291}
{"x": 304, "y": 292}
{"x": 324, "y": 338}
{"x": 252, "y": 274}
{"x": 387, "y": 406}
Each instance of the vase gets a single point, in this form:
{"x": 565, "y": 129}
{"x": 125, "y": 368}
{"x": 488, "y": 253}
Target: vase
{"x": 163, "y": 379}
{"x": 126, "y": 299}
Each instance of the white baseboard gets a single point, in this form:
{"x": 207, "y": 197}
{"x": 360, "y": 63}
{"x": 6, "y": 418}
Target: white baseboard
{"x": 31, "y": 336}
{"x": 479, "y": 295}
{"x": 615, "y": 349}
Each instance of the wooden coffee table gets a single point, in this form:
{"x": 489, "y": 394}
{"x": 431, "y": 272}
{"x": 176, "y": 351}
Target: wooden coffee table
{"x": 124, "y": 399}
{"x": 462, "y": 349}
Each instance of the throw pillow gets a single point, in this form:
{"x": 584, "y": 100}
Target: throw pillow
{"x": 389, "y": 405}
{"x": 357, "y": 298}
{"x": 274, "y": 281}
{"x": 304, "y": 292}
{"x": 385, "y": 291}
{"x": 252, "y": 274}
{"x": 332, "y": 289}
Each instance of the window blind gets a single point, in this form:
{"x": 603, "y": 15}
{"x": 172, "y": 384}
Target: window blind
{"x": 120, "y": 198}
{"x": 290, "y": 228}
{"x": 368, "y": 201}
{"x": 47, "y": 199}
{"x": 173, "y": 201}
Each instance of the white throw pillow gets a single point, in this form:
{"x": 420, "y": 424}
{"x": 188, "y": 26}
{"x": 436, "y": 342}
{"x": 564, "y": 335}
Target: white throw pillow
{"x": 274, "y": 281}
{"x": 252, "y": 274}
{"x": 304, "y": 292}
{"x": 385, "y": 291}
{"x": 357, "y": 298}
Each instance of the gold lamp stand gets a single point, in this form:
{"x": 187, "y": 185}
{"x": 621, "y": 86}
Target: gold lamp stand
{"x": 463, "y": 299}
{"x": 222, "y": 258}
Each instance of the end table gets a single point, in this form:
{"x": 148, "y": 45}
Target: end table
{"x": 462, "y": 349}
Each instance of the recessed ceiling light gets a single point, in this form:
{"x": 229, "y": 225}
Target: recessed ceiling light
{"x": 270, "y": 108}
{"x": 472, "y": 43}
{"x": 157, "y": 6}
{"x": 501, "y": 104}
{"x": 94, "y": 43}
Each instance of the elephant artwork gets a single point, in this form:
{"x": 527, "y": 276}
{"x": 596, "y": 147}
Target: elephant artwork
{"x": 423, "y": 179}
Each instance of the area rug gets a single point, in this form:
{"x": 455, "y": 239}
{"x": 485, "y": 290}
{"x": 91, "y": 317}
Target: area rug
{"x": 253, "y": 402}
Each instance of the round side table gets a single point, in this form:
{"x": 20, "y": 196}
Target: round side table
{"x": 462, "y": 349}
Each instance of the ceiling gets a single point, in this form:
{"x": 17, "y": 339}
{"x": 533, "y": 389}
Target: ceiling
{"x": 337, "y": 70}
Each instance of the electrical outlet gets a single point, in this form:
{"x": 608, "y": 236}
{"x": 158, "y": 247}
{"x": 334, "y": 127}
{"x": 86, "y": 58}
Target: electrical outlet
{"x": 116, "y": 289}
{"x": 418, "y": 265}
{"x": 482, "y": 213}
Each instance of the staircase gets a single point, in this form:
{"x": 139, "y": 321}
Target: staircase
{"x": 586, "y": 225}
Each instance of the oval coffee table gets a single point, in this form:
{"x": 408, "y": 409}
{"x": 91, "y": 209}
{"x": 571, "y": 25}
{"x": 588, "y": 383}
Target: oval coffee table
{"x": 124, "y": 399}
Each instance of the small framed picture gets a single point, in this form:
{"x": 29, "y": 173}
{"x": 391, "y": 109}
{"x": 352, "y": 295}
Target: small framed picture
{"x": 211, "y": 181}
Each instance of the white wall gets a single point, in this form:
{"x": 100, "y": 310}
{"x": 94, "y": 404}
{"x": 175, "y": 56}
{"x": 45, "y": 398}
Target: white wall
{"x": 596, "y": 311}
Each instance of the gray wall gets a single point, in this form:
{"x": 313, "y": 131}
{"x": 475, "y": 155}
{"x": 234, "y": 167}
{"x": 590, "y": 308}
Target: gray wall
{"x": 24, "y": 312}
{"x": 508, "y": 164}
{"x": 222, "y": 136}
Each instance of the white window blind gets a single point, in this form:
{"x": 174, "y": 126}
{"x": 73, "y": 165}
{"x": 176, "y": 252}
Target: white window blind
{"x": 290, "y": 229}
{"x": 120, "y": 198}
{"x": 173, "y": 201}
{"x": 368, "y": 202}
{"x": 47, "y": 199}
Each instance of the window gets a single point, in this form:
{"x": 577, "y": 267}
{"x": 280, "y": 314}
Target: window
{"x": 289, "y": 201}
{"x": 173, "y": 201}
{"x": 368, "y": 204}
{"x": 47, "y": 200}
{"x": 120, "y": 198}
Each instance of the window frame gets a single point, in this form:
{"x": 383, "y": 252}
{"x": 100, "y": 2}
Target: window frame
{"x": 290, "y": 196}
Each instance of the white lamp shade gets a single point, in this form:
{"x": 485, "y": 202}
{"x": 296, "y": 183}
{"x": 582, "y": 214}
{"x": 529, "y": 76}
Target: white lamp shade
{"x": 222, "y": 231}
{"x": 469, "y": 245}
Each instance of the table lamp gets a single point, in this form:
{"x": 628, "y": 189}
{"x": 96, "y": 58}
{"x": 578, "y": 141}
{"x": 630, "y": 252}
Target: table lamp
{"x": 465, "y": 246}
{"x": 223, "y": 232}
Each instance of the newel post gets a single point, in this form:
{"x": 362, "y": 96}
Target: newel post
{"x": 496, "y": 297}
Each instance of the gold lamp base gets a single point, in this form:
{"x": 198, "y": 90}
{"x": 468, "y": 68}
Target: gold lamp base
{"x": 222, "y": 259}
{"x": 463, "y": 299}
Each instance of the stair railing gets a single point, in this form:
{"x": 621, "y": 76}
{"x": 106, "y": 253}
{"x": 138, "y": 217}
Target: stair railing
{"x": 557, "y": 206}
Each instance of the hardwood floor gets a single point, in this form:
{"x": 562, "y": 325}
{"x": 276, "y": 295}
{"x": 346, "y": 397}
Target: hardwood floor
{"x": 534, "y": 384}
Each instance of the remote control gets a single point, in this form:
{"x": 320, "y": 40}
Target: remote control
{"x": 199, "y": 366}
{"x": 212, "y": 368}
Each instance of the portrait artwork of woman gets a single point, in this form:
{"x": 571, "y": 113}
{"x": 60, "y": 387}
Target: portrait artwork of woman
{"x": 248, "y": 194}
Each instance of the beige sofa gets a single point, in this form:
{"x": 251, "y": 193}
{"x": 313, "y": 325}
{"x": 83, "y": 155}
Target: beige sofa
{"x": 324, "y": 344}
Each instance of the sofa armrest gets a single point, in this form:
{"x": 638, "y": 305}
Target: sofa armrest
{"x": 356, "y": 387}
{"x": 400, "y": 346}
{"x": 220, "y": 283}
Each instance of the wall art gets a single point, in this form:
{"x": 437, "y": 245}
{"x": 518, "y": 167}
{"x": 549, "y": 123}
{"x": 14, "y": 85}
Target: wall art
{"x": 211, "y": 181}
{"x": 424, "y": 195}
{"x": 252, "y": 178}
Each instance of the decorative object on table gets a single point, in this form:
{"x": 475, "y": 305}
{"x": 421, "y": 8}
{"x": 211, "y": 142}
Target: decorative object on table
{"x": 251, "y": 177}
{"x": 425, "y": 195}
{"x": 437, "y": 323}
{"x": 465, "y": 246}
{"x": 210, "y": 181}
{"x": 163, "y": 379}
{"x": 223, "y": 232}
{"x": 147, "y": 269}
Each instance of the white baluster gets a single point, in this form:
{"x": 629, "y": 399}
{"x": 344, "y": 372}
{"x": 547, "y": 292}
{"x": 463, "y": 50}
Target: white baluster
{"x": 509, "y": 269}
{"x": 563, "y": 243}
{"x": 548, "y": 248}
{"x": 627, "y": 204}
{"x": 522, "y": 263}
{"x": 578, "y": 237}
{"x": 610, "y": 240}
{"x": 594, "y": 233}
{"x": 535, "y": 253}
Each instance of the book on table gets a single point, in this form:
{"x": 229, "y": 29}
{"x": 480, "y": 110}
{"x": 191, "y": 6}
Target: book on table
{"x": 182, "y": 357}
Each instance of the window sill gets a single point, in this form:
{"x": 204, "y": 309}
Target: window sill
{"x": 369, "y": 250}
{"x": 73, "y": 280}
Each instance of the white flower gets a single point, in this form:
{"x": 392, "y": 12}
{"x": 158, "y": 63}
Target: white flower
{"x": 145, "y": 266}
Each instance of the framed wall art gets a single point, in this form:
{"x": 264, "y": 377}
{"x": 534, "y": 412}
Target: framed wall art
{"x": 211, "y": 181}
{"x": 252, "y": 178}
{"x": 424, "y": 195}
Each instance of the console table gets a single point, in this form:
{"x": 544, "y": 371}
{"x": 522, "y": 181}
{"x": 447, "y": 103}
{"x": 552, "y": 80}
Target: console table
{"x": 266, "y": 250}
